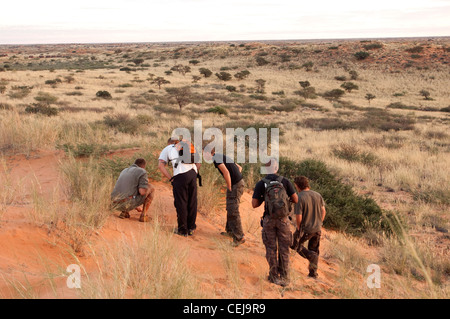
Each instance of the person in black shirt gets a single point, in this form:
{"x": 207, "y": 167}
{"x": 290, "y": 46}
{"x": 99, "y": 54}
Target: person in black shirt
{"x": 276, "y": 233}
{"x": 231, "y": 172}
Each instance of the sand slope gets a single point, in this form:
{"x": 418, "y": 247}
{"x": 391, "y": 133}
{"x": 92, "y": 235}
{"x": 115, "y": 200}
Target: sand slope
{"x": 33, "y": 259}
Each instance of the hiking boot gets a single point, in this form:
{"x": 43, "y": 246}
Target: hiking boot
{"x": 144, "y": 219}
{"x": 277, "y": 281}
{"x": 238, "y": 242}
{"x": 227, "y": 234}
{"x": 191, "y": 232}
{"x": 124, "y": 215}
{"x": 313, "y": 274}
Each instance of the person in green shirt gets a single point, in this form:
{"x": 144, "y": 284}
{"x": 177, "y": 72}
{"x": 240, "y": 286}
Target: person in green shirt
{"x": 310, "y": 213}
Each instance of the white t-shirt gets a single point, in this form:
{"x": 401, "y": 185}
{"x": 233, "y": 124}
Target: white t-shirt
{"x": 170, "y": 153}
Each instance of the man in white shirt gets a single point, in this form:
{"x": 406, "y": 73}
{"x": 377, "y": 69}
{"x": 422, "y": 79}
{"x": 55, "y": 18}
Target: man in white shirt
{"x": 184, "y": 182}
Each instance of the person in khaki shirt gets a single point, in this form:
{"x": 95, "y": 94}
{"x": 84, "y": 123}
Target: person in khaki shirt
{"x": 310, "y": 213}
{"x": 133, "y": 190}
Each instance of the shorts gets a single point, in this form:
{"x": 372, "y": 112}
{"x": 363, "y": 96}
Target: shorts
{"x": 129, "y": 204}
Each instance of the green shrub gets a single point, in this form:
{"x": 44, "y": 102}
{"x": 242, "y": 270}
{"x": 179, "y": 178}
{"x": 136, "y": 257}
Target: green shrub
{"x": 19, "y": 92}
{"x": 373, "y": 46}
{"x": 361, "y": 55}
{"x": 374, "y": 119}
{"x": 334, "y": 94}
{"x": 346, "y": 211}
{"x": 104, "y": 95}
{"x": 261, "y": 61}
{"x": 218, "y": 110}
{"x": 349, "y": 86}
{"x": 205, "y": 72}
{"x": 352, "y": 154}
{"x": 224, "y": 76}
{"x": 44, "y": 97}
{"x": 123, "y": 123}
{"x": 85, "y": 149}
{"x": 53, "y": 82}
{"x": 307, "y": 93}
{"x": 44, "y": 109}
{"x": 230, "y": 88}
{"x": 416, "y": 49}
{"x": 284, "y": 108}
{"x": 400, "y": 105}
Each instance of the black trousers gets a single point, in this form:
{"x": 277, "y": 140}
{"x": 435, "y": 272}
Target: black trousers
{"x": 185, "y": 200}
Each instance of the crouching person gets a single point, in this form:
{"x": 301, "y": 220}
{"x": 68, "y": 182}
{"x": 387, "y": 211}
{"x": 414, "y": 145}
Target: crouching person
{"x": 310, "y": 213}
{"x": 133, "y": 190}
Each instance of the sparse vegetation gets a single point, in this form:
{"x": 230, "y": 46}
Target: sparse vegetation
{"x": 374, "y": 143}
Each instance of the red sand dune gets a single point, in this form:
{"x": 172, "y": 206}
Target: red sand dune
{"x": 28, "y": 252}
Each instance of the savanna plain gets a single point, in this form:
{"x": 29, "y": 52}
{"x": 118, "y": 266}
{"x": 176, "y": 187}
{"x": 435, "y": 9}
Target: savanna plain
{"x": 366, "y": 120}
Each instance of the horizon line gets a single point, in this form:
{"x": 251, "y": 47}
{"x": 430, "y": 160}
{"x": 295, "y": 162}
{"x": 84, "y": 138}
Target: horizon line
{"x": 225, "y": 41}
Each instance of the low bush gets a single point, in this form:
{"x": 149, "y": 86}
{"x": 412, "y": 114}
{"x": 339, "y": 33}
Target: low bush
{"x": 218, "y": 110}
{"x": 44, "y": 109}
{"x": 85, "y": 149}
{"x": 361, "y": 55}
{"x": 346, "y": 211}
{"x": 104, "y": 95}
{"x": 123, "y": 123}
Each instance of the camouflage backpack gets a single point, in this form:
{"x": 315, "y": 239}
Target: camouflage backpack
{"x": 276, "y": 199}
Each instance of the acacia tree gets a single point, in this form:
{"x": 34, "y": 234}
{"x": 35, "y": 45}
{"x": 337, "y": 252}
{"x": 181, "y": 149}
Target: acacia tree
{"x": 260, "y": 85}
{"x": 182, "y": 69}
{"x": 304, "y": 84}
{"x": 349, "y": 86}
{"x": 369, "y": 97}
{"x": 138, "y": 61}
{"x": 159, "y": 81}
{"x": 181, "y": 95}
{"x": 426, "y": 94}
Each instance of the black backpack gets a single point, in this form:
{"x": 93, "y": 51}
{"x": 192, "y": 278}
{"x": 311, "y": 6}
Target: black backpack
{"x": 276, "y": 198}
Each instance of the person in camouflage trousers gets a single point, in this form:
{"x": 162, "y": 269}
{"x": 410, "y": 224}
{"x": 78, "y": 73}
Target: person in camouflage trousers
{"x": 276, "y": 233}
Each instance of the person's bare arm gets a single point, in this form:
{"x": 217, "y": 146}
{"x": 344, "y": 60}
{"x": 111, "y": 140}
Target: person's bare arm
{"x": 163, "y": 169}
{"x": 294, "y": 198}
{"x": 256, "y": 203}
{"x": 298, "y": 219}
{"x": 226, "y": 175}
{"x": 239, "y": 167}
{"x": 324, "y": 212}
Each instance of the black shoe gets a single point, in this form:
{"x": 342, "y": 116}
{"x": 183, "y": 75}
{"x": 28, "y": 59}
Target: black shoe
{"x": 277, "y": 281}
{"x": 176, "y": 232}
{"x": 224, "y": 233}
{"x": 238, "y": 242}
{"x": 313, "y": 275}
{"x": 191, "y": 232}
{"x": 124, "y": 215}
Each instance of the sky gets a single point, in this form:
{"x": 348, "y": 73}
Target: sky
{"x": 109, "y": 21}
